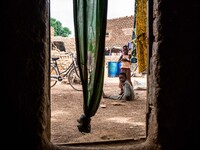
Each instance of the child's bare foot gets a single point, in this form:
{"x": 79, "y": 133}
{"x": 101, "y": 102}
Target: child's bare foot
{"x": 121, "y": 93}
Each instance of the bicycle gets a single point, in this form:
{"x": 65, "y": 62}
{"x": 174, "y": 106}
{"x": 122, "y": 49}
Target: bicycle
{"x": 71, "y": 73}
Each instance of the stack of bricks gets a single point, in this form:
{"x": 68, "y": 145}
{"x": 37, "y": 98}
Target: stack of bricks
{"x": 64, "y": 60}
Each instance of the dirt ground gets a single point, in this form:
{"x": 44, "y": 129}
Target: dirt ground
{"x": 114, "y": 120}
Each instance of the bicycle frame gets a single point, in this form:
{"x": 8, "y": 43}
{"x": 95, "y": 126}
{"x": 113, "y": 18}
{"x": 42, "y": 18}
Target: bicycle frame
{"x": 59, "y": 75}
{"x": 66, "y": 71}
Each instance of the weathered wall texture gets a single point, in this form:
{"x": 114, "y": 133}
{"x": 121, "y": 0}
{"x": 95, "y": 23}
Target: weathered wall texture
{"x": 173, "y": 75}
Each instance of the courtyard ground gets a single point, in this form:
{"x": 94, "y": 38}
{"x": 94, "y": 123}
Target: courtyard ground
{"x": 114, "y": 120}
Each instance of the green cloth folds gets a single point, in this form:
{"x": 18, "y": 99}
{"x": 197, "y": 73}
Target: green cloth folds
{"x": 90, "y": 28}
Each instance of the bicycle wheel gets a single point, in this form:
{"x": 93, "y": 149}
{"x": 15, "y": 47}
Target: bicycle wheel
{"x": 75, "y": 80}
{"x": 54, "y": 75}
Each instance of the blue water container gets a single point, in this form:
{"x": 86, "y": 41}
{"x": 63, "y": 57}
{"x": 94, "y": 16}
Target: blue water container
{"x": 119, "y": 68}
{"x": 112, "y": 69}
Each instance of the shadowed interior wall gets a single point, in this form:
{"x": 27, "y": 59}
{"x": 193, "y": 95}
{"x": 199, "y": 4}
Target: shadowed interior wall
{"x": 173, "y": 78}
{"x": 26, "y": 93}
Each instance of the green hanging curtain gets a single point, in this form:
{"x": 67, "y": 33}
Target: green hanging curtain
{"x": 90, "y": 18}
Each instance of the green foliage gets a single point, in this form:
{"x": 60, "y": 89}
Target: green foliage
{"x": 58, "y": 29}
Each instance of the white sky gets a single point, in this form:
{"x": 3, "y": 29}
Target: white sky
{"x": 62, "y": 10}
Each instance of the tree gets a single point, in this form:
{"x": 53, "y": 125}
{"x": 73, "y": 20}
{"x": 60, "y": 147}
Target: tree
{"x": 58, "y": 29}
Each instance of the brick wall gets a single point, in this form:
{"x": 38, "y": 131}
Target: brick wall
{"x": 65, "y": 59}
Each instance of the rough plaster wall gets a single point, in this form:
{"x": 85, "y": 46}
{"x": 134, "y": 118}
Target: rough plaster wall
{"x": 173, "y": 78}
{"x": 26, "y": 93}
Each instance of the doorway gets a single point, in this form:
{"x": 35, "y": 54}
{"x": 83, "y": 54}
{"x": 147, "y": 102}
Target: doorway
{"x": 114, "y": 121}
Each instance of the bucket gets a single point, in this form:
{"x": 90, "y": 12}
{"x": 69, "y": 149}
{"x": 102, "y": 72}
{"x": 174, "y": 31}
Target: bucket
{"x": 119, "y": 68}
{"x": 112, "y": 69}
